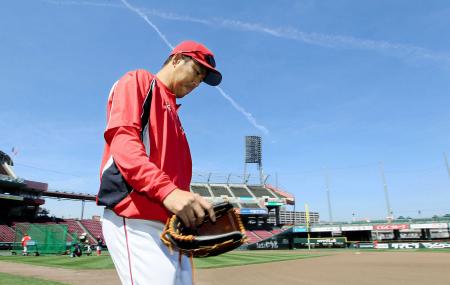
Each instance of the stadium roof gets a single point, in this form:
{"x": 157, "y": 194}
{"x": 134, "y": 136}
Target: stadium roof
{"x": 69, "y": 195}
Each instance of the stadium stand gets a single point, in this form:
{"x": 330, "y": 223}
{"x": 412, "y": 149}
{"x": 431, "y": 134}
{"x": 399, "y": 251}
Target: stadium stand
{"x": 219, "y": 191}
{"x": 250, "y": 205}
{"x": 262, "y": 234}
{"x": 6, "y": 234}
{"x": 75, "y": 228}
{"x": 276, "y": 231}
{"x": 6, "y": 180}
{"x": 93, "y": 227}
{"x": 202, "y": 190}
{"x": 252, "y": 237}
{"x": 240, "y": 192}
{"x": 260, "y": 191}
{"x": 288, "y": 197}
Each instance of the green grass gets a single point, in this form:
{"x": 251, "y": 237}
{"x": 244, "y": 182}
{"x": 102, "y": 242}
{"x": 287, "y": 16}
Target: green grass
{"x": 105, "y": 262}
{"x": 249, "y": 257}
{"x": 64, "y": 261}
{"x": 8, "y": 279}
{"x": 235, "y": 258}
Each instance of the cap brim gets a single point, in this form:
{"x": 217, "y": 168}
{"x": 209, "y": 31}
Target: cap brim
{"x": 213, "y": 77}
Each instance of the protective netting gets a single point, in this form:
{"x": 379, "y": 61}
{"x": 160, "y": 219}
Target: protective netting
{"x": 45, "y": 238}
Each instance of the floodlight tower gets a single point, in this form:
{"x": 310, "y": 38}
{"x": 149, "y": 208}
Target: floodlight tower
{"x": 390, "y": 213}
{"x": 446, "y": 164}
{"x": 253, "y": 154}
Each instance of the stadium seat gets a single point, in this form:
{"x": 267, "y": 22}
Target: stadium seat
{"x": 219, "y": 191}
{"x": 260, "y": 191}
{"x": 240, "y": 192}
{"x": 6, "y": 234}
{"x": 94, "y": 227}
{"x": 202, "y": 190}
{"x": 262, "y": 234}
{"x": 252, "y": 238}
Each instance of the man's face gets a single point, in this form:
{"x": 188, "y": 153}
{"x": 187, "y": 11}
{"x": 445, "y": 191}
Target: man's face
{"x": 188, "y": 74}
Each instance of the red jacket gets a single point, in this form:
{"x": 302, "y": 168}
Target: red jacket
{"x": 146, "y": 153}
{"x": 25, "y": 240}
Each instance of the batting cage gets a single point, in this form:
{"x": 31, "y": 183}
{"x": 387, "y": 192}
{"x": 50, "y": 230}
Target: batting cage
{"x": 43, "y": 238}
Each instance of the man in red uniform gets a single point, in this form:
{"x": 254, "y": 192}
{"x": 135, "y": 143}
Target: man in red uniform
{"x": 146, "y": 167}
{"x": 25, "y": 240}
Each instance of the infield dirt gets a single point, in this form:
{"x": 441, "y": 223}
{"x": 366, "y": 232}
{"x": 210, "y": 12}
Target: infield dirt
{"x": 348, "y": 267}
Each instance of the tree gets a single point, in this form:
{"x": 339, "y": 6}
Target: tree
{"x": 43, "y": 212}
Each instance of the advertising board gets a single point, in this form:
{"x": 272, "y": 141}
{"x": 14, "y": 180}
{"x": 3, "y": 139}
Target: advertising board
{"x": 366, "y": 245}
{"x": 356, "y": 228}
{"x": 274, "y": 203}
{"x": 299, "y": 229}
{"x": 325, "y": 229}
{"x": 414, "y": 245}
{"x": 429, "y": 226}
{"x": 391, "y": 227}
{"x": 271, "y": 243}
{"x": 250, "y": 211}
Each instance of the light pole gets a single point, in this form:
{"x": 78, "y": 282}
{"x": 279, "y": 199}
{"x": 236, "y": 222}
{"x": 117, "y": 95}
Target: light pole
{"x": 386, "y": 194}
{"x": 327, "y": 186}
{"x": 446, "y": 164}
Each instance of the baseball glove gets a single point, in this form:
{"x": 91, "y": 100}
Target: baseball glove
{"x": 207, "y": 239}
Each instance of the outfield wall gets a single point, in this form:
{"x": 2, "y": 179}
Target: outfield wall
{"x": 405, "y": 245}
{"x": 374, "y": 236}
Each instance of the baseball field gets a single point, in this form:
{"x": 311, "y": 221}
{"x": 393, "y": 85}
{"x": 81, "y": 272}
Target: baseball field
{"x": 320, "y": 267}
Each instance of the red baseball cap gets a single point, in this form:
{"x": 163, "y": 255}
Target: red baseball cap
{"x": 202, "y": 55}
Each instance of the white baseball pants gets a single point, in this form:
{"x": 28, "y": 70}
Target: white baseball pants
{"x": 139, "y": 255}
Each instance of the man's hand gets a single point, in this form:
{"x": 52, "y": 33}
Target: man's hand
{"x": 189, "y": 207}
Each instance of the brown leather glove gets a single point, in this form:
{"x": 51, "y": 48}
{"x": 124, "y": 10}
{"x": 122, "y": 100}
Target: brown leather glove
{"x": 207, "y": 239}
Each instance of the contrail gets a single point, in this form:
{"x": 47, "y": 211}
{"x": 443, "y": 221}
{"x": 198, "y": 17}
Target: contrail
{"x": 239, "y": 108}
{"x": 175, "y": 17}
{"x": 249, "y": 116}
{"x": 143, "y": 16}
{"x": 323, "y": 40}
{"x": 83, "y": 3}
{"x": 332, "y": 41}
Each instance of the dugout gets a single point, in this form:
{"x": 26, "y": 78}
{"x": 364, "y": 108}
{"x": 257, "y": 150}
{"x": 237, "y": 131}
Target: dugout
{"x": 329, "y": 242}
{"x": 357, "y": 233}
{"x": 282, "y": 240}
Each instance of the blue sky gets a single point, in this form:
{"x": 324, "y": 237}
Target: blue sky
{"x": 335, "y": 85}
